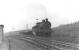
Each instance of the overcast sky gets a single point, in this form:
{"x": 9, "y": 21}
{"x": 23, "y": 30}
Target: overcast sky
{"x": 15, "y": 14}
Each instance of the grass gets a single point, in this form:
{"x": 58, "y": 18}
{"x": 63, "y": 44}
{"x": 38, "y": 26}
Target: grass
{"x": 66, "y": 33}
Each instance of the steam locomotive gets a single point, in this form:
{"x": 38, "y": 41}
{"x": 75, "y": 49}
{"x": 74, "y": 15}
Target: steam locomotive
{"x": 42, "y": 29}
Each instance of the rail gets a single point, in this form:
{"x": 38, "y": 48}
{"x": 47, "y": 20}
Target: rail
{"x": 53, "y": 44}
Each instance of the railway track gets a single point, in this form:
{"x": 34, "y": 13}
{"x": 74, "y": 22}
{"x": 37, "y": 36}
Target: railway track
{"x": 55, "y": 41}
{"x": 60, "y": 43}
{"x": 49, "y": 46}
{"x": 40, "y": 44}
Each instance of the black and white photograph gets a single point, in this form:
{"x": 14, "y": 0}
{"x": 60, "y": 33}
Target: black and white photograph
{"x": 39, "y": 24}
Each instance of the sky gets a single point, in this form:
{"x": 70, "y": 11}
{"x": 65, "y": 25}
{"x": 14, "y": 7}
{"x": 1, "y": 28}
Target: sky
{"x": 22, "y": 14}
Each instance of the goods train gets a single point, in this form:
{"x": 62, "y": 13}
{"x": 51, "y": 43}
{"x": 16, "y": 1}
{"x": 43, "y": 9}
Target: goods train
{"x": 42, "y": 29}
